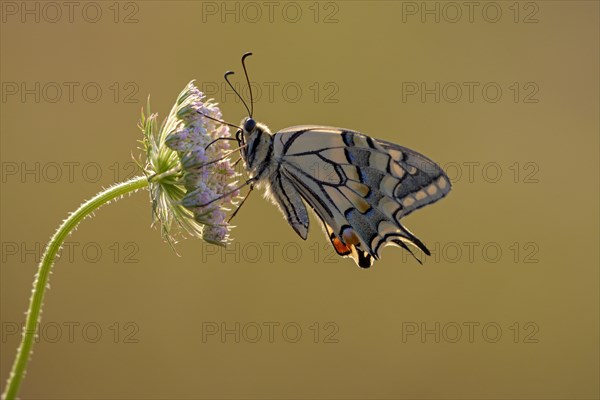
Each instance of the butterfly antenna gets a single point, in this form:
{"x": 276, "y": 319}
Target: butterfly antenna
{"x": 246, "y": 55}
{"x": 226, "y": 76}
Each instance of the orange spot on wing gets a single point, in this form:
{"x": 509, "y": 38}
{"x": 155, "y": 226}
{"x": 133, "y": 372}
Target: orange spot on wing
{"x": 340, "y": 247}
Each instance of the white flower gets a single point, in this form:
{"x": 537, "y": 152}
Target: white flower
{"x": 188, "y": 188}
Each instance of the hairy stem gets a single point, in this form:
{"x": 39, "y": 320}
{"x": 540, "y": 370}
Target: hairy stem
{"x": 41, "y": 279}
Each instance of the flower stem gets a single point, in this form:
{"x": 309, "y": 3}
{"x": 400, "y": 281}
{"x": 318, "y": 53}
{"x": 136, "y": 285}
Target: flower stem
{"x": 157, "y": 177}
{"x": 43, "y": 274}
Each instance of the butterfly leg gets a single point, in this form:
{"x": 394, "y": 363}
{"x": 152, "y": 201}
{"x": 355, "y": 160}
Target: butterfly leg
{"x": 236, "y": 162}
{"x": 248, "y": 182}
{"x": 241, "y": 203}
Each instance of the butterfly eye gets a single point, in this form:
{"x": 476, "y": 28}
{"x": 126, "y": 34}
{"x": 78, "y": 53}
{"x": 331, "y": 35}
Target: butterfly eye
{"x": 249, "y": 125}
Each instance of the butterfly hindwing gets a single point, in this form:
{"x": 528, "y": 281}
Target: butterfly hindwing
{"x": 287, "y": 198}
{"x": 425, "y": 182}
{"x": 358, "y": 186}
{"x": 360, "y": 257}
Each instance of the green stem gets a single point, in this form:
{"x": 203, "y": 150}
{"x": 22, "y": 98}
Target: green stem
{"x": 162, "y": 175}
{"x": 43, "y": 274}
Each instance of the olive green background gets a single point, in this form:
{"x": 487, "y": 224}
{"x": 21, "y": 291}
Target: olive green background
{"x": 551, "y": 211}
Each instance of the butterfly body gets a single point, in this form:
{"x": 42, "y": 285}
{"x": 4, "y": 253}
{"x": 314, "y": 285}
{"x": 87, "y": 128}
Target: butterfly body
{"x": 359, "y": 187}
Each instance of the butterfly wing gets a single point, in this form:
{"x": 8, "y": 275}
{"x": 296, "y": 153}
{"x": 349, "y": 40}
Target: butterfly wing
{"x": 359, "y": 187}
{"x": 285, "y": 195}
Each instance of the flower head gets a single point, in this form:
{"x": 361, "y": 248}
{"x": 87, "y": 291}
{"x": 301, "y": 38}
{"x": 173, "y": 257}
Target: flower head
{"x": 192, "y": 181}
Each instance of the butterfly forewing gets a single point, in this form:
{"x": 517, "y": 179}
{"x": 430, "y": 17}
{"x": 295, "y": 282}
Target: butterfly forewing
{"x": 358, "y": 186}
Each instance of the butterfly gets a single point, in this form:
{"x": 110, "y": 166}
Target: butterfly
{"x": 358, "y": 186}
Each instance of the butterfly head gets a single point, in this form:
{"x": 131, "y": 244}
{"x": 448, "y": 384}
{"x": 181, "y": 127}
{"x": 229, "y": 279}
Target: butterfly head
{"x": 249, "y": 124}
{"x": 255, "y": 140}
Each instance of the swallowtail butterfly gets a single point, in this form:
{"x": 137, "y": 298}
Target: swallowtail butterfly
{"x": 358, "y": 186}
